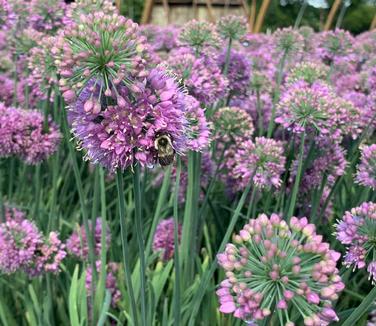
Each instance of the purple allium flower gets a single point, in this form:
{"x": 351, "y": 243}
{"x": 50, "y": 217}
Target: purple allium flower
{"x": 202, "y": 77}
{"x": 48, "y": 256}
{"x": 262, "y": 160}
{"x": 101, "y": 47}
{"x": 161, "y": 38}
{"x": 47, "y": 16}
{"x": 239, "y": 71}
{"x": 199, "y": 130}
{"x": 77, "y": 244}
{"x": 366, "y": 174}
{"x": 231, "y": 123}
{"x": 121, "y": 134}
{"x": 111, "y": 281}
{"x": 356, "y": 230}
{"x": 198, "y": 35}
{"x": 232, "y": 27}
{"x": 308, "y": 72}
{"x": 316, "y": 109}
{"x": 163, "y": 240}
{"x": 275, "y": 264}
{"x": 19, "y": 241}
{"x": 288, "y": 41}
{"x": 23, "y": 133}
{"x": 13, "y": 214}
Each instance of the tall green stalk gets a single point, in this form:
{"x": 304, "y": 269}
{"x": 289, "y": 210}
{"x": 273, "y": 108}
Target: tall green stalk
{"x": 205, "y": 280}
{"x": 176, "y": 246}
{"x": 295, "y": 188}
{"x": 140, "y": 239}
{"x": 302, "y": 9}
{"x": 125, "y": 247}
{"x": 227, "y": 59}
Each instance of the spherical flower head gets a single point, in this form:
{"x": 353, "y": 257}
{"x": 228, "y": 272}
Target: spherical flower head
{"x": 24, "y": 133}
{"x": 199, "y": 129}
{"x": 83, "y": 7}
{"x": 47, "y": 16}
{"x": 111, "y": 281}
{"x": 231, "y": 123}
{"x": 198, "y": 35}
{"x": 332, "y": 46}
{"x": 366, "y": 170}
{"x": 49, "y": 256}
{"x": 126, "y": 131}
{"x": 239, "y": 71}
{"x": 13, "y": 213}
{"x": 163, "y": 241}
{"x": 102, "y": 47}
{"x": 356, "y": 230}
{"x": 232, "y": 27}
{"x": 201, "y": 76}
{"x": 316, "y": 109}
{"x": 288, "y": 41}
{"x": 261, "y": 162}
{"x": 275, "y": 265}
{"x": 161, "y": 38}
{"x": 19, "y": 241}
{"x": 308, "y": 72}
{"x": 78, "y": 246}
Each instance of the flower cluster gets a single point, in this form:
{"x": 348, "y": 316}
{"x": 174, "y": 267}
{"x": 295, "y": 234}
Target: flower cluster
{"x": 356, "y": 230}
{"x": 163, "y": 241}
{"x": 366, "y": 174}
{"x": 275, "y": 265}
{"x": 27, "y": 134}
{"x": 232, "y": 27}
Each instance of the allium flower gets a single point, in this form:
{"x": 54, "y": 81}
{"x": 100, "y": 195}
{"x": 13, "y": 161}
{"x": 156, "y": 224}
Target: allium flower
{"x": 232, "y": 27}
{"x": 77, "y": 244}
{"x": 19, "y": 241}
{"x": 24, "y": 133}
{"x": 262, "y": 160}
{"x": 273, "y": 265}
{"x": 13, "y": 214}
{"x": 356, "y": 230}
{"x": 101, "y": 47}
{"x": 307, "y": 71}
{"x": 231, "y": 123}
{"x": 288, "y": 41}
{"x": 316, "y": 109}
{"x": 163, "y": 240}
{"x": 199, "y": 131}
{"x": 161, "y": 38}
{"x": 202, "y": 77}
{"x": 366, "y": 174}
{"x": 125, "y": 131}
{"x": 48, "y": 257}
{"x": 47, "y": 16}
{"x": 111, "y": 281}
{"x": 198, "y": 35}
{"x": 239, "y": 71}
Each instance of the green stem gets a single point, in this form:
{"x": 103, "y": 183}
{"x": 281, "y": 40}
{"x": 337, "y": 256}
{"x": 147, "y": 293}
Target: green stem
{"x": 367, "y": 302}
{"x": 260, "y": 118}
{"x": 300, "y": 14}
{"x": 2, "y": 207}
{"x": 140, "y": 239}
{"x": 227, "y": 59}
{"x": 176, "y": 247}
{"x": 295, "y": 189}
{"x": 124, "y": 243}
{"x": 205, "y": 280}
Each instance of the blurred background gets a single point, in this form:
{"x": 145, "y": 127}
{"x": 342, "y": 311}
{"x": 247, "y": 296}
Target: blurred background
{"x": 263, "y": 15}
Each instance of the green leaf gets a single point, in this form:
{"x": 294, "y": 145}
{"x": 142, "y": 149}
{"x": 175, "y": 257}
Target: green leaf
{"x": 73, "y": 310}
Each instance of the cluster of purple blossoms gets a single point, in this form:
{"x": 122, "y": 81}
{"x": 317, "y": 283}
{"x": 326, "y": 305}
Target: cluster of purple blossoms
{"x": 232, "y": 27}
{"x": 356, "y": 230}
{"x": 288, "y": 41}
{"x": 78, "y": 245}
{"x": 275, "y": 265}
{"x": 47, "y": 16}
{"x": 163, "y": 241}
{"x": 366, "y": 174}
{"x": 111, "y": 281}
{"x": 308, "y": 72}
{"x": 316, "y": 109}
{"x": 119, "y": 135}
{"x": 25, "y": 133}
{"x": 201, "y": 76}
{"x": 23, "y": 247}
{"x": 161, "y": 38}
{"x": 261, "y": 162}
{"x": 239, "y": 71}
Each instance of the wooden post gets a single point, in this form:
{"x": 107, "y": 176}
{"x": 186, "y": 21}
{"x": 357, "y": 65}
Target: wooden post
{"x": 166, "y": 10}
{"x": 210, "y": 11}
{"x": 146, "y": 14}
{"x": 118, "y": 4}
{"x": 261, "y": 15}
{"x": 252, "y": 16}
{"x": 331, "y": 15}
{"x": 373, "y": 23}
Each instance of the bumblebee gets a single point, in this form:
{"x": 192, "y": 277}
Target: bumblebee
{"x": 165, "y": 150}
